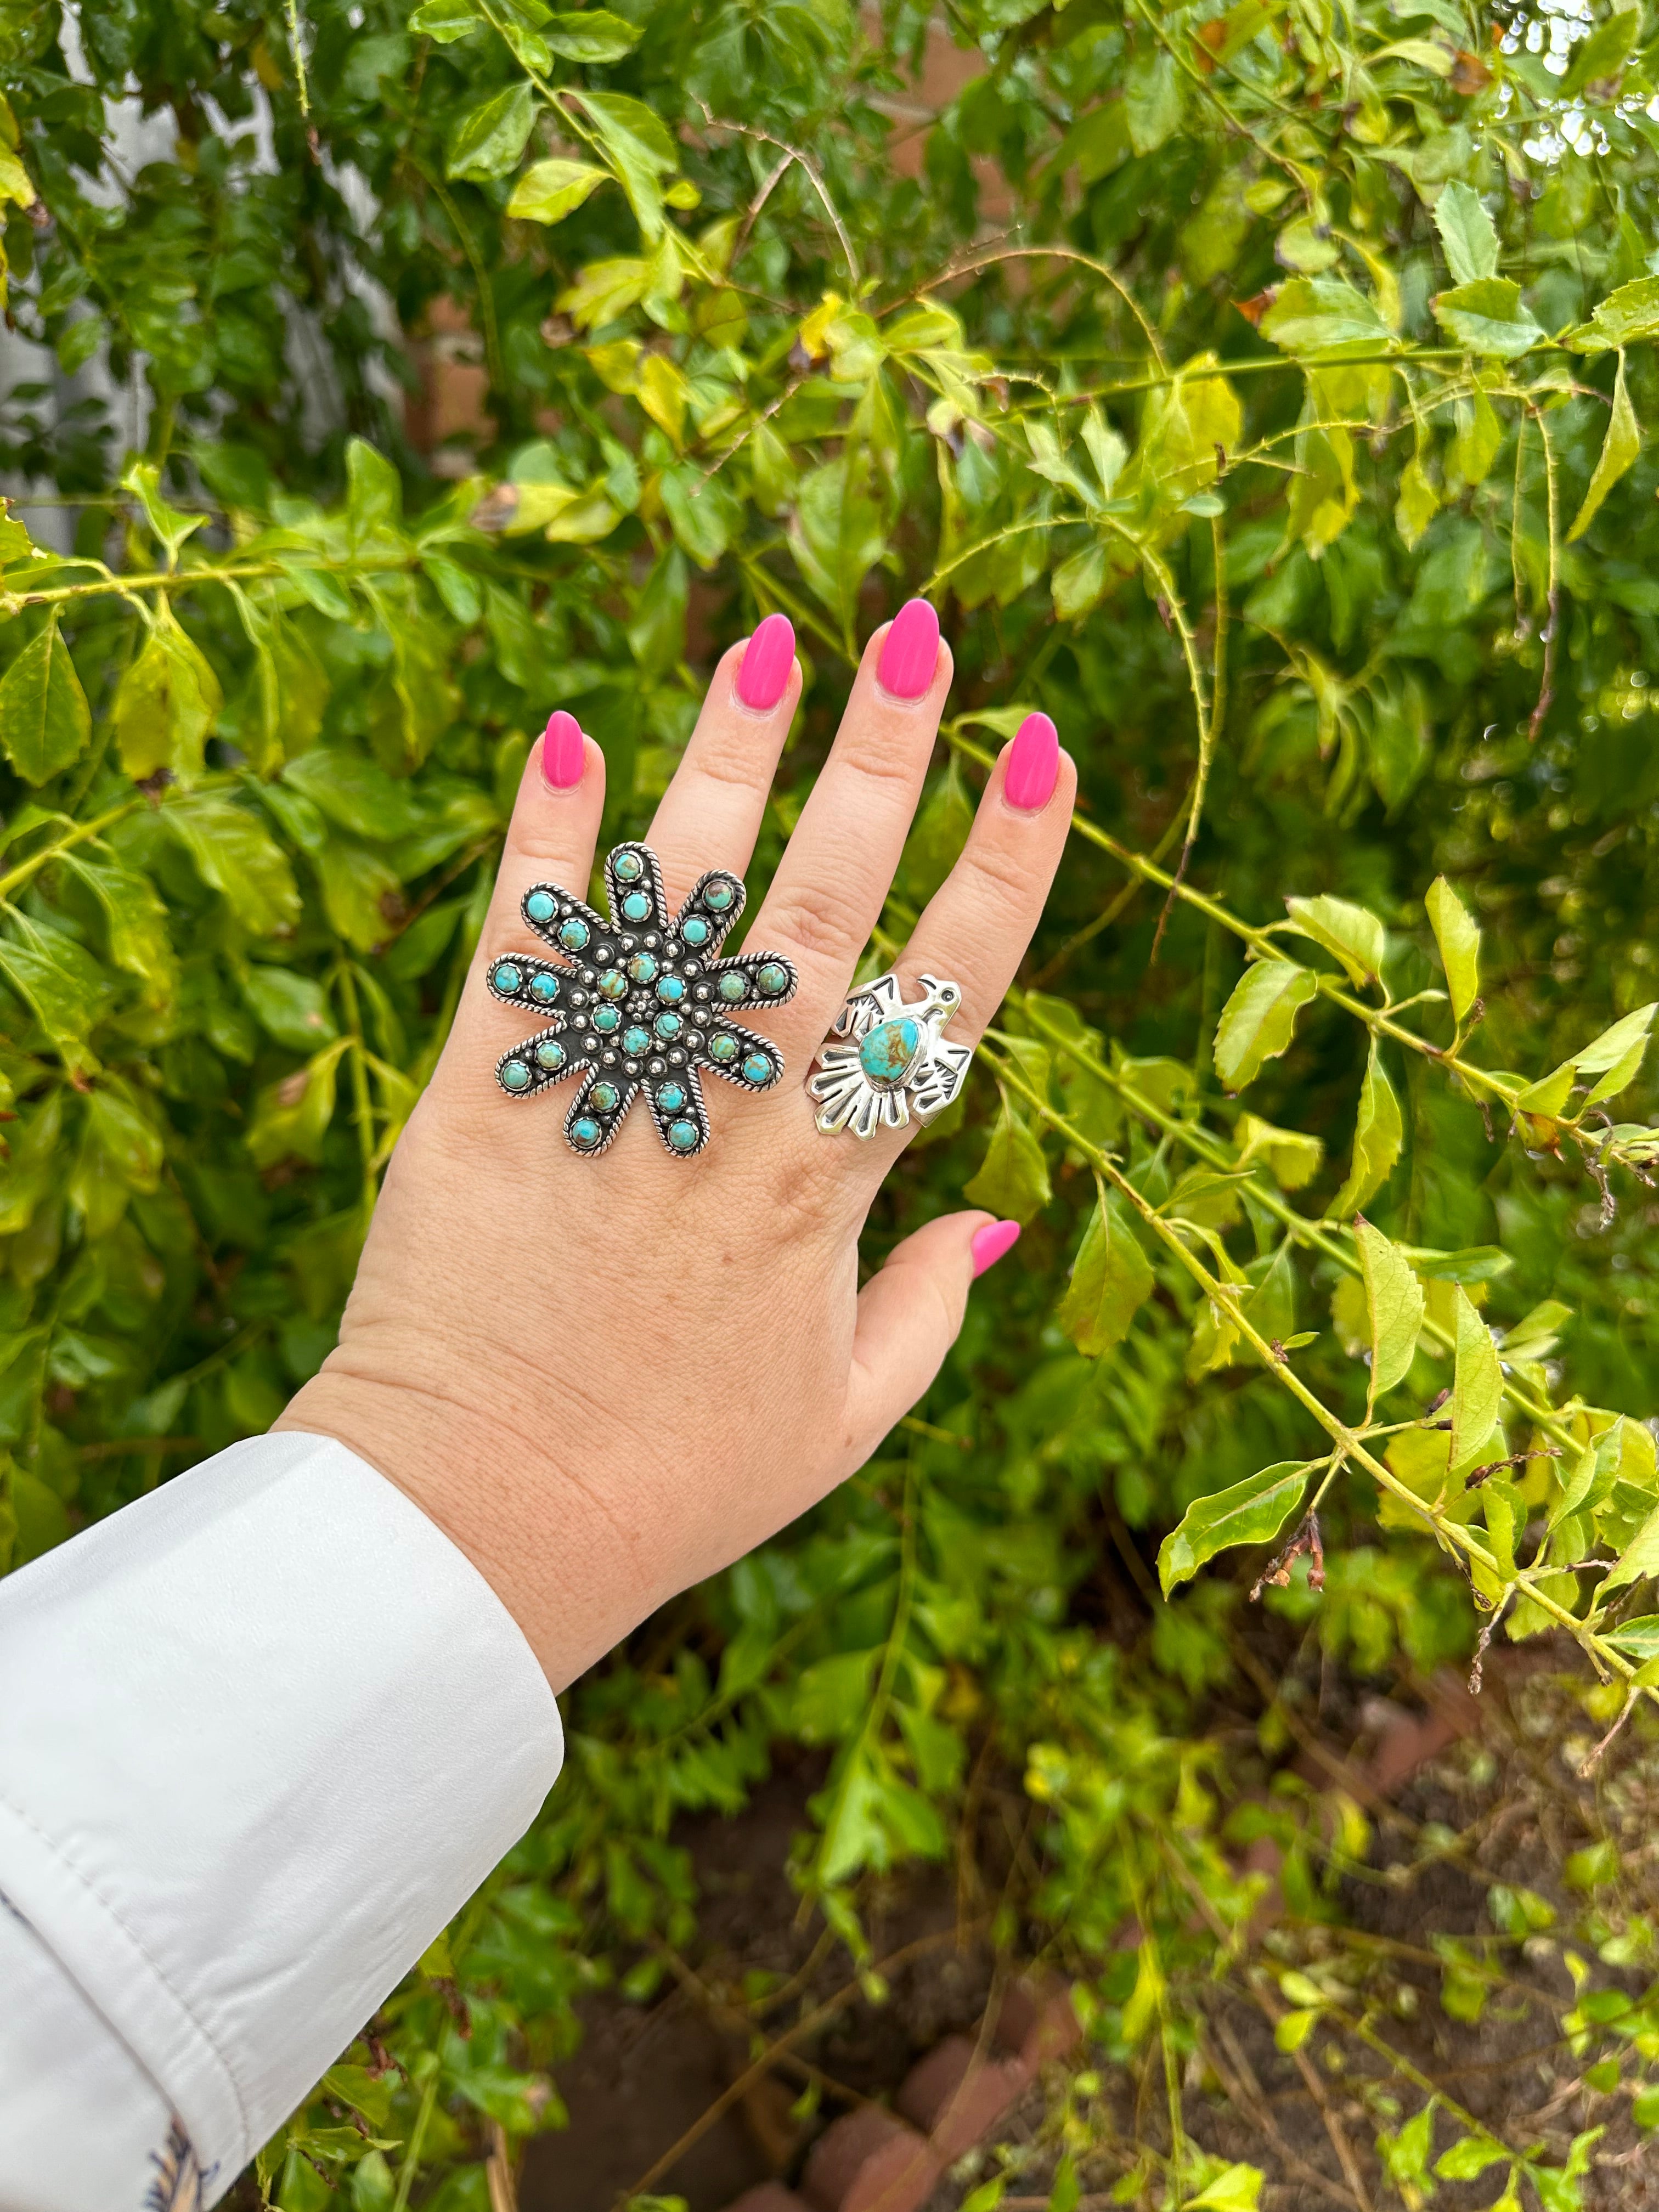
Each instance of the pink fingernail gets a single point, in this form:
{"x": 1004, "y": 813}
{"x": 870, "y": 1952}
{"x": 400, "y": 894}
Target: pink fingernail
{"x": 909, "y": 652}
{"x": 1033, "y": 765}
{"x": 562, "y": 751}
{"x": 992, "y": 1242}
{"x": 769, "y": 655}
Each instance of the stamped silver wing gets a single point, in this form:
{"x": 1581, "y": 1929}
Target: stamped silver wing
{"x": 879, "y": 1000}
{"x": 940, "y": 1078}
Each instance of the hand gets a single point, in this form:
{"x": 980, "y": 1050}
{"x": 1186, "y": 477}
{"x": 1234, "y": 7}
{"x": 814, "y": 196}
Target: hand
{"x": 607, "y": 1378}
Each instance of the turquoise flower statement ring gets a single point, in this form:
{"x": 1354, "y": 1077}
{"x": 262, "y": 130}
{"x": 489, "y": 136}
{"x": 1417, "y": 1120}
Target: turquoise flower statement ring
{"x": 640, "y": 1002}
{"x": 885, "y": 1062}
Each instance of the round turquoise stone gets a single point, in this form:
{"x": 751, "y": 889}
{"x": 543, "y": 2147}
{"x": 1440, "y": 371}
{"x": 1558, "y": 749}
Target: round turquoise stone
{"x": 540, "y": 906}
{"x": 613, "y": 984}
{"x": 670, "y": 1097}
{"x": 722, "y": 1048}
{"x": 603, "y": 1098}
{"x": 515, "y": 1075}
{"x": 667, "y": 1026}
{"x": 887, "y": 1053}
{"x": 573, "y": 934}
{"x": 549, "y": 1055}
{"x": 635, "y": 907}
{"x": 636, "y": 1039}
{"x": 695, "y": 931}
{"x": 683, "y": 1135}
{"x": 642, "y": 968}
{"x": 719, "y": 896}
{"x": 507, "y": 977}
{"x": 773, "y": 979}
{"x": 605, "y": 1018}
{"x": 545, "y": 987}
{"x": 630, "y": 867}
{"x": 757, "y": 1068}
{"x": 670, "y": 990}
{"x": 733, "y": 985}
{"x": 586, "y": 1133}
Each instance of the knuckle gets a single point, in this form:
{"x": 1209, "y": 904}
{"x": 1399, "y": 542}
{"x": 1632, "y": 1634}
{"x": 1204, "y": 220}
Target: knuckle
{"x": 995, "y": 868}
{"x": 822, "y": 920}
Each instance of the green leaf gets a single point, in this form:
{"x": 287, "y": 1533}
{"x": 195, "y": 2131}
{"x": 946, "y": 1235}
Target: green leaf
{"x": 1154, "y": 96}
{"x": 236, "y": 855}
{"x": 490, "y": 138}
{"x": 1259, "y": 1020}
{"x": 168, "y": 525}
{"x": 1638, "y": 1638}
{"x": 1012, "y": 1181}
{"x": 1477, "y": 1384}
{"x": 1355, "y": 936}
{"x": 1616, "y": 1055}
{"x": 549, "y": 191}
{"x": 445, "y": 21}
{"x": 1249, "y": 1512}
{"x": 1458, "y": 937}
{"x": 44, "y": 723}
{"x": 1624, "y": 318}
{"x": 1468, "y": 2158}
{"x": 1597, "y": 60}
{"x": 639, "y": 146}
{"x": 1292, "y": 1159}
{"x": 1467, "y": 233}
{"x": 291, "y": 1008}
{"x": 1238, "y": 2189}
{"x": 1111, "y": 1280}
{"x": 1620, "y": 449}
{"x": 1324, "y": 315}
{"x": 1377, "y": 1138}
{"x": 1393, "y": 1307}
{"x": 166, "y": 703}
{"x": 1639, "y": 1558}
{"x": 1488, "y": 317}
{"x": 64, "y": 988}
{"x": 593, "y": 36}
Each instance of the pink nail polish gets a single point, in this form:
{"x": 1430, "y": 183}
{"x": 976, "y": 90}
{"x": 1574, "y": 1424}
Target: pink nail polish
{"x": 562, "y": 751}
{"x": 909, "y": 652}
{"x": 1033, "y": 765}
{"x": 768, "y": 657}
{"x": 992, "y": 1242}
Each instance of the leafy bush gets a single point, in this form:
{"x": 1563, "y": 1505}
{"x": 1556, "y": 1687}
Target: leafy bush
{"x": 1257, "y": 389}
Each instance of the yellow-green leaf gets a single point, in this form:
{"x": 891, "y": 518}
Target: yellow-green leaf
{"x": 1393, "y": 1307}
{"x": 1377, "y": 1137}
{"x": 165, "y": 705}
{"x": 1622, "y": 443}
{"x": 44, "y": 720}
{"x": 1353, "y": 934}
{"x": 1477, "y": 1384}
{"x": 549, "y": 191}
{"x": 1111, "y": 1280}
{"x": 1012, "y": 1181}
{"x": 1458, "y": 936}
{"x": 1259, "y": 1020}
{"x": 1249, "y": 1512}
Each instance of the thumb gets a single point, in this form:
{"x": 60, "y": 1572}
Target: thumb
{"x": 909, "y": 1314}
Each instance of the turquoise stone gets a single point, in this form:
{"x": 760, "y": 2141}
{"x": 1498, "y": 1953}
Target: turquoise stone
{"x": 722, "y": 1047}
{"x": 586, "y": 1133}
{"x": 757, "y": 1068}
{"x": 573, "y": 934}
{"x": 635, "y": 907}
{"x": 773, "y": 979}
{"x": 695, "y": 931}
{"x": 549, "y": 1055}
{"x": 670, "y": 990}
{"x": 507, "y": 977}
{"x": 630, "y": 867}
{"x": 683, "y": 1135}
{"x": 733, "y": 985}
{"x": 603, "y": 1098}
{"x": 636, "y": 1039}
{"x": 613, "y": 984}
{"x": 642, "y": 968}
{"x": 515, "y": 1075}
{"x": 605, "y": 1018}
{"x": 667, "y": 1026}
{"x": 719, "y": 896}
{"x": 888, "y": 1052}
{"x": 670, "y": 1097}
{"x": 545, "y": 987}
{"x": 540, "y": 906}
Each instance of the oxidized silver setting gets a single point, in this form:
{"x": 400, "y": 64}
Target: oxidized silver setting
{"x": 640, "y": 1002}
{"x": 888, "y": 1060}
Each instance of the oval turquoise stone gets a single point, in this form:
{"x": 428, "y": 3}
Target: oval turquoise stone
{"x": 683, "y": 1135}
{"x": 603, "y": 1098}
{"x": 733, "y": 985}
{"x": 636, "y": 1039}
{"x": 667, "y": 1026}
{"x": 605, "y": 1020}
{"x": 886, "y": 1054}
{"x": 722, "y": 1048}
{"x": 540, "y": 907}
{"x": 670, "y": 990}
{"x": 635, "y": 907}
{"x": 719, "y": 896}
{"x": 573, "y": 934}
{"x": 585, "y": 1132}
{"x": 613, "y": 984}
{"x": 630, "y": 867}
{"x": 757, "y": 1068}
{"x": 549, "y": 1055}
{"x": 642, "y": 968}
{"x": 545, "y": 987}
{"x": 670, "y": 1097}
{"x": 773, "y": 979}
{"x": 696, "y": 931}
{"x": 515, "y": 1075}
{"x": 507, "y": 977}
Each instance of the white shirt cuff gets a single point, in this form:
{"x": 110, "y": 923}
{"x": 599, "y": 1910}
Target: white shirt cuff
{"x": 261, "y": 1735}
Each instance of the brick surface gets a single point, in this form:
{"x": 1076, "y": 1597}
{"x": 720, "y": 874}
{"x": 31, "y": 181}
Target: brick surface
{"x": 769, "y": 2196}
{"x": 1037, "y": 2020}
{"x": 958, "y": 2095}
{"x": 870, "y": 2161}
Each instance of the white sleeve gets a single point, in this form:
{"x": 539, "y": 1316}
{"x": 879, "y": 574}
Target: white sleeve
{"x": 261, "y": 1735}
